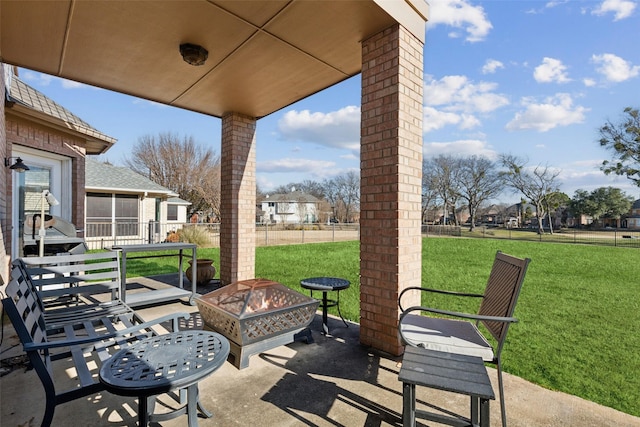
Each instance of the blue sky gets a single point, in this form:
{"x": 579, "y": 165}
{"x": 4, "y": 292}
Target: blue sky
{"x": 531, "y": 78}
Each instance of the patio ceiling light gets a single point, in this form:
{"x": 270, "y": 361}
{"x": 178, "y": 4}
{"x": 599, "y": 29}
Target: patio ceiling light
{"x": 193, "y": 54}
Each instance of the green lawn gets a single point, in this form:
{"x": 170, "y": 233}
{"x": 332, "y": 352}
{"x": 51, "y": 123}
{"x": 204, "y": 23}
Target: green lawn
{"x": 579, "y": 309}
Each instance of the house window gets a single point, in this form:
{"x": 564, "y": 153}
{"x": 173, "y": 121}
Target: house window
{"x": 112, "y": 215}
{"x": 126, "y": 215}
{"x": 172, "y": 212}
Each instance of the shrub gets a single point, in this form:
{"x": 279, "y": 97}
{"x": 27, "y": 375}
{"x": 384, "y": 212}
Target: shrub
{"x": 197, "y": 235}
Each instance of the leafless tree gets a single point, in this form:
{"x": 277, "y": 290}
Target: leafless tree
{"x": 478, "y": 182}
{"x": 343, "y": 192}
{"x": 535, "y": 184}
{"x": 182, "y": 166}
{"x": 442, "y": 175}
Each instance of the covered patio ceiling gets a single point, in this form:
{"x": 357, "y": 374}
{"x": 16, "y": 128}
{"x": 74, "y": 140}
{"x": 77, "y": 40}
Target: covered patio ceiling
{"x": 262, "y": 55}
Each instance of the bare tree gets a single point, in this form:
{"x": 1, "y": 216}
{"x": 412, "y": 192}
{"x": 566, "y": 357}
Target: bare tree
{"x": 441, "y": 174}
{"x": 343, "y": 192}
{"x": 182, "y": 166}
{"x": 479, "y": 181}
{"x": 536, "y": 184}
{"x": 429, "y": 197}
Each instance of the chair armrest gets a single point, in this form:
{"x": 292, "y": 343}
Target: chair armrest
{"x": 460, "y": 315}
{"x": 174, "y": 318}
{"x": 436, "y": 291}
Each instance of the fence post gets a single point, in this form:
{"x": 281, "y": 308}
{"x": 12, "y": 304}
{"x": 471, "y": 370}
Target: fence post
{"x": 302, "y": 232}
{"x": 615, "y": 237}
{"x": 266, "y": 234}
{"x": 333, "y": 231}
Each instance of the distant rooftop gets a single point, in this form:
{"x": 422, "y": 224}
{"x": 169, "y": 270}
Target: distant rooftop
{"x": 104, "y": 176}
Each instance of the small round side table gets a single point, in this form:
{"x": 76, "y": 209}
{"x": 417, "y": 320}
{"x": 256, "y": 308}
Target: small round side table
{"x": 327, "y": 284}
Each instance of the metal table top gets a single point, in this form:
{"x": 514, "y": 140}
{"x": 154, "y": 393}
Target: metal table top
{"x": 165, "y": 362}
{"x": 325, "y": 283}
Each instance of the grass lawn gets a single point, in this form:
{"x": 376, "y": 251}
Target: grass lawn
{"x": 579, "y": 310}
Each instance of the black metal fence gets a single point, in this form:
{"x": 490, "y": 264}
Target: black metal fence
{"x": 607, "y": 237}
{"x": 104, "y": 235}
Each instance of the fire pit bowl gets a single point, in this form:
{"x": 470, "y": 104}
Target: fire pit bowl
{"x": 257, "y": 315}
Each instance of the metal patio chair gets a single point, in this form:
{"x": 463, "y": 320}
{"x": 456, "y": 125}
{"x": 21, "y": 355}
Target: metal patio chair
{"x": 455, "y": 332}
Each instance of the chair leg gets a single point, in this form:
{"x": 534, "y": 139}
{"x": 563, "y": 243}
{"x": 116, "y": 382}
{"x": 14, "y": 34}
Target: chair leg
{"x": 503, "y": 409}
{"x": 48, "y": 412}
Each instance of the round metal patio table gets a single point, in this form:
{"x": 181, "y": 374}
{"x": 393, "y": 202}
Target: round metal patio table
{"x": 327, "y": 284}
{"x": 163, "y": 363}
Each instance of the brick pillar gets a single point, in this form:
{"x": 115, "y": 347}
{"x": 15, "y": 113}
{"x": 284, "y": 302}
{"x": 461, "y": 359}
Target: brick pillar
{"x": 5, "y": 220}
{"x": 391, "y": 180}
{"x": 238, "y": 198}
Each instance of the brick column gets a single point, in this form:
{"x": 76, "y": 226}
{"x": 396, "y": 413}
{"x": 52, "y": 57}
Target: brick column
{"x": 238, "y": 198}
{"x": 391, "y": 180}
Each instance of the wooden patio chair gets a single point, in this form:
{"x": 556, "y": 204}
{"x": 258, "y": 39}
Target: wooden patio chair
{"x": 458, "y": 333}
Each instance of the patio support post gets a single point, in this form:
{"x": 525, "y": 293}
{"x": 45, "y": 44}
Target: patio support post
{"x": 391, "y": 182}
{"x": 5, "y": 220}
{"x": 238, "y": 198}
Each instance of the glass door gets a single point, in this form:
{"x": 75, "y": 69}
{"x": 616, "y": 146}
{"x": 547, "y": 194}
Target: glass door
{"x": 45, "y": 173}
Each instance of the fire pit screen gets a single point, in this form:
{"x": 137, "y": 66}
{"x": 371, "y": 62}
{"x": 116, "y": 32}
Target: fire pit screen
{"x": 257, "y": 315}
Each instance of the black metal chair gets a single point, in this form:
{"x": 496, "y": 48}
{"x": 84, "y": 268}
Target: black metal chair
{"x": 455, "y": 332}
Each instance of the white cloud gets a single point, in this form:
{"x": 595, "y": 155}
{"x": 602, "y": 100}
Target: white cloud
{"x": 553, "y": 112}
{"x": 586, "y": 175}
{"x": 337, "y": 129}
{"x": 37, "y": 78}
{"x": 457, "y": 93}
{"x": 588, "y": 82}
{"x": 460, "y": 15}
{"x": 551, "y": 71}
{"x": 70, "y": 84}
{"x": 468, "y": 147}
{"x": 454, "y": 100}
{"x": 491, "y": 66}
{"x": 315, "y": 168}
{"x": 435, "y": 119}
{"x": 621, "y": 8}
{"x": 46, "y": 79}
{"x": 614, "y": 68}
{"x": 291, "y": 165}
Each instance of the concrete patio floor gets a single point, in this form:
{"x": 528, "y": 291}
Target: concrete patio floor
{"x": 332, "y": 382}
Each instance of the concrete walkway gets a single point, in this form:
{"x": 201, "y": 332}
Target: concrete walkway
{"x": 331, "y": 382}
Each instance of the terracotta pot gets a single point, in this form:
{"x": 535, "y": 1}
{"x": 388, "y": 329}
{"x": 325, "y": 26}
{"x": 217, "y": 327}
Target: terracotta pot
{"x": 205, "y": 271}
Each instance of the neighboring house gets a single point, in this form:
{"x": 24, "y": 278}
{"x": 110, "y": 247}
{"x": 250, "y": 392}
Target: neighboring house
{"x": 124, "y": 206}
{"x": 177, "y": 210}
{"x": 53, "y": 143}
{"x": 290, "y": 208}
{"x": 633, "y": 219}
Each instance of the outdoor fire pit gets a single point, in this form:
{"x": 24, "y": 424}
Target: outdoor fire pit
{"x": 257, "y": 315}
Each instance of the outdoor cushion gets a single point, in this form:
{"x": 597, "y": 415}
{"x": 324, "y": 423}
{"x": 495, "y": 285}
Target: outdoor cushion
{"x": 446, "y": 335}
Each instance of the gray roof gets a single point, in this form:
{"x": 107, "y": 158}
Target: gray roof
{"x": 103, "y": 176}
{"x": 293, "y": 197}
{"x": 636, "y": 204}
{"x": 23, "y": 94}
{"x": 177, "y": 201}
